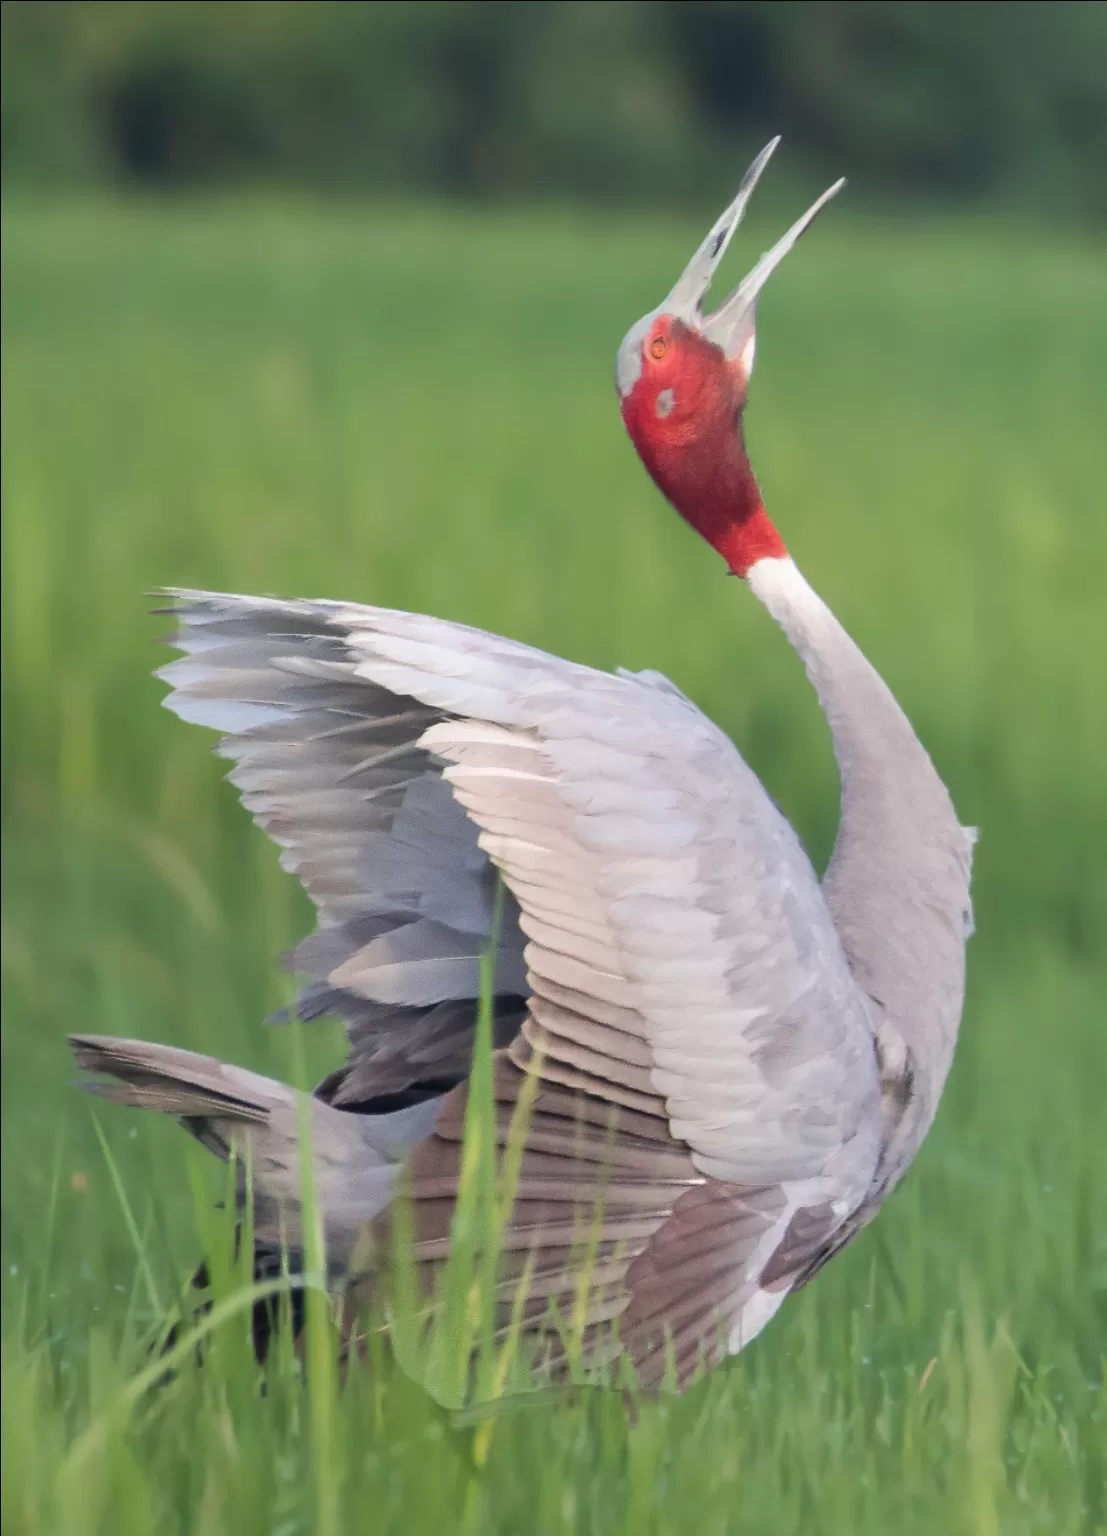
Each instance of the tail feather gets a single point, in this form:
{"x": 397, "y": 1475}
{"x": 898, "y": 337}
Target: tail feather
{"x": 355, "y": 1158}
{"x": 176, "y": 1082}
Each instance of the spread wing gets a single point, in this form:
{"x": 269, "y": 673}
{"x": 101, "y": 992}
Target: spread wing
{"x": 679, "y": 946}
{"x": 683, "y": 978}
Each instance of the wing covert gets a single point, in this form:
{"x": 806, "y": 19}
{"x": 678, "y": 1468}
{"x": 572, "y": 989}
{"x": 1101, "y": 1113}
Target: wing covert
{"x": 654, "y": 878}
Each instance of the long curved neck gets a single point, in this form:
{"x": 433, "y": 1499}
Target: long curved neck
{"x": 898, "y": 882}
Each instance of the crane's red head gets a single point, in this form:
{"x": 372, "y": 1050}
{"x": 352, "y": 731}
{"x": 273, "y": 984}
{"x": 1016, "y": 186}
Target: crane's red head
{"x": 683, "y": 378}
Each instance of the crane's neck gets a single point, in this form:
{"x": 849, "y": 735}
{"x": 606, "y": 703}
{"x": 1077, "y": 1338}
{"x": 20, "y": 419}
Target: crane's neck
{"x": 898, "y": 882}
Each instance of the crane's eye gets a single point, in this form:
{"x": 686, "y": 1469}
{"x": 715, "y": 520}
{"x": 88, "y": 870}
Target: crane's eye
{"x": 658, "y": 348}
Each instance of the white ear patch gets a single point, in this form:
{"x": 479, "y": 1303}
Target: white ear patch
{"x": 665, "y": 402}
{"x": 628, "y": 365}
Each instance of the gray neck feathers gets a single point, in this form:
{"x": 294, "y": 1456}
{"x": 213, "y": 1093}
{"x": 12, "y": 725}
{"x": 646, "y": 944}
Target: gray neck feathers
{"x": 898, "y": 881}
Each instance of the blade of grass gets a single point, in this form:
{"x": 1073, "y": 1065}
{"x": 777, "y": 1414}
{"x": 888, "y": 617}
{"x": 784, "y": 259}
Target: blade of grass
{"x": 128, "y": 1217}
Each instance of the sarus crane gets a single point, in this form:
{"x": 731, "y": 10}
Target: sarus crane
{"x": 725, "y": 1063}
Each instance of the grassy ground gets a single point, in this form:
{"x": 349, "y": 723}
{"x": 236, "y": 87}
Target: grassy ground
{"x": 415, "y": 408}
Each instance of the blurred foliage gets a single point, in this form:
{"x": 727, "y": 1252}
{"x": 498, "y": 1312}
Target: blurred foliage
{"x": 593, "y": 97}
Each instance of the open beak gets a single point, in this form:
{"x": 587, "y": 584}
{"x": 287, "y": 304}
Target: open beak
{"x": 731, "y": 325}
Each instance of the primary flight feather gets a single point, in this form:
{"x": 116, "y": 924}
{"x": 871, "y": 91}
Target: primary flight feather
{"x": 726, "y": 1063}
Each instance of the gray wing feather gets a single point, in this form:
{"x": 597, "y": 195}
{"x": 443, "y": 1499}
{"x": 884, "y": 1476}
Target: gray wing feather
{"x": 617, "y": 1243}
{"x": 330, "y": 766}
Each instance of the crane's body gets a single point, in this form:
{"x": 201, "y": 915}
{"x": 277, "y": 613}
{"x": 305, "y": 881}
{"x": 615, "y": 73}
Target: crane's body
{"x": 723, "y": 1062}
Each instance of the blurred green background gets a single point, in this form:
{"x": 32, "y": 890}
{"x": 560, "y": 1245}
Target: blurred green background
{"x": 324, "y": 299}
{"x": 617, "y": 99}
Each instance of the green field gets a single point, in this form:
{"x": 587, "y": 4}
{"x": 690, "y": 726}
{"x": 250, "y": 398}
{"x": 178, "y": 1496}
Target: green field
{"x": 414, "y": 407}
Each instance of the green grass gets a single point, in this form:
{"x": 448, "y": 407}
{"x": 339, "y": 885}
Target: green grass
{"x": 414, "y": 407}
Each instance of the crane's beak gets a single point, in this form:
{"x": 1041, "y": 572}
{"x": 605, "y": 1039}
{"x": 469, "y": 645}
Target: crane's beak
{"x": 731, "y": 325}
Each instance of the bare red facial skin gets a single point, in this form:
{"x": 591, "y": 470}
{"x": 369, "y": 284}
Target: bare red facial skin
{"x": 694, "y": 450}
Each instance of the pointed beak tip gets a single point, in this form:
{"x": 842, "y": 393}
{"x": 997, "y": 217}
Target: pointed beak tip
{"x": 686, "y": 298}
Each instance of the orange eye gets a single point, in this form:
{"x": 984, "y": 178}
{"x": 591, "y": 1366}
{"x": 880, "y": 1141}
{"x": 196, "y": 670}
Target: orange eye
{"x": 658, "y": 348}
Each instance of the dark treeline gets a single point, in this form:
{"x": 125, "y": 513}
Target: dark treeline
{"x": 599, "y": 98}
